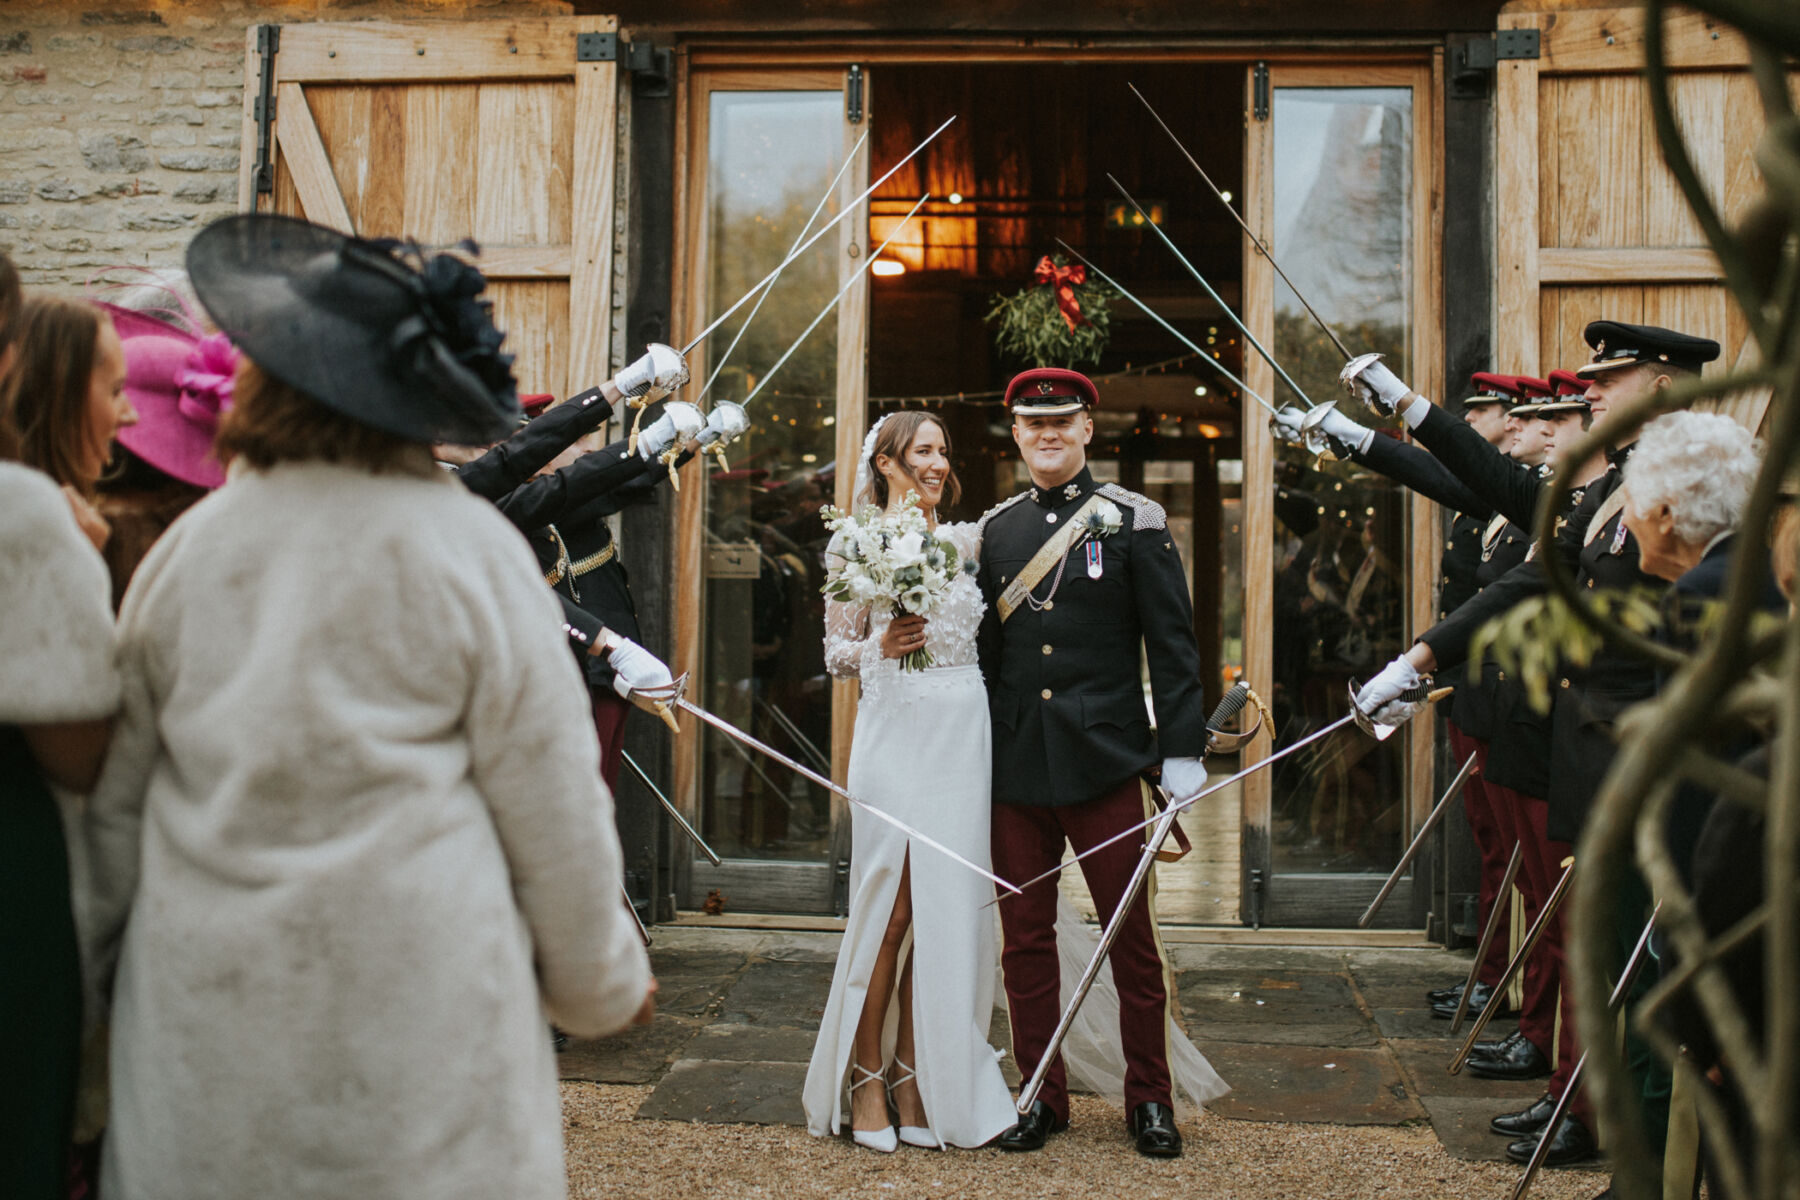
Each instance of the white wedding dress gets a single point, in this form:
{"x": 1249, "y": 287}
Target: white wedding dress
{"x": 922, "y": 752}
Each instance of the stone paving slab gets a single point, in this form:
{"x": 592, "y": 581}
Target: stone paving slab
{"x": 728, "y": 1093}
{"x": 780, "y": 994}
{"x": 751, "y": 1043}
{"x": 1426, "y": 1062}
{"x": 634, "y": 1056}
{"x": 1312, "y": 1084}
{"x": 1416, "y": 1023}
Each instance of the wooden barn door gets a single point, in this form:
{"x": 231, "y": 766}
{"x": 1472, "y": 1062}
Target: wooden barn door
{"x": 501, "y": 131}
{"x": 1589, "y": 222}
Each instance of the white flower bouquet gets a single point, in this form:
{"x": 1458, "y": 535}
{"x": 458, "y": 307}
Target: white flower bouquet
{"x": 893, "y": 558}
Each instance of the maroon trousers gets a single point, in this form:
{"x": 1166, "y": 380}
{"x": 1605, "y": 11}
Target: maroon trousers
{"x": 1493, "y": 830}
{"x": 609, "y": 722}
{"x": 1028, "y": 842}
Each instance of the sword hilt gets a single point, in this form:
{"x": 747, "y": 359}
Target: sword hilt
{"x": 1229, "y": 706}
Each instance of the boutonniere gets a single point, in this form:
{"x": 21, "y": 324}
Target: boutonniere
{"x": 1103, "y": 519}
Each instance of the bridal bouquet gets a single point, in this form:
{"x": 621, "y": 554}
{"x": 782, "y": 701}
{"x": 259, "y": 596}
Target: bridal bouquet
{"x": 891, "y": 558}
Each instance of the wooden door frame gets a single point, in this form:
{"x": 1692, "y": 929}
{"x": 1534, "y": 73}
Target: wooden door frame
{"x": 693, "y": 309}
{"x": 1425, "y": 79}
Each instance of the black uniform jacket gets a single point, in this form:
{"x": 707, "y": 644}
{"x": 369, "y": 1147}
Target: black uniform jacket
{"x": 1518, "y": 736}
{"x": 1421, "y": 472}
{"x": 1063, "y": 679}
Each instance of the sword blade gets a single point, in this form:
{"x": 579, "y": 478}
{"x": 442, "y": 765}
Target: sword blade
{"x": 635, "y": 919}
{"x": 681, "y": 822}
{"x": 1217, "y": 299}
{"x": 1488, "y": 932}
{"x": 1178, "y": 335}
{"x": 1181, "y": 806}
{"x": 1256, "y": 241}
{"x": 867, "y": 262}
{"x": 732, "y": 731}
{"x": 757, "y": 307}
{"x": 1412, "y": 851}
{"x": 1512, "y": 968}
{"x": 804, "y": 246}
{"x": 1029, "y": 1091}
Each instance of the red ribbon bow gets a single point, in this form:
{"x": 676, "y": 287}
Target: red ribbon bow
{"x": 1064, "y": 280}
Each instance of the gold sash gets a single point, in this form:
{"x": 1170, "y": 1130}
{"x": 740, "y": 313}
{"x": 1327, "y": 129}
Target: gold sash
{"x": 1048, "y": 555}
{"x": 1609, "y": 507}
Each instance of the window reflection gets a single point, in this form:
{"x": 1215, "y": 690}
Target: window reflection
{"x": 1343, "y": 231}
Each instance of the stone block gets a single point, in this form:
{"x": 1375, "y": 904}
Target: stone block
{"x": 729, "y": 1093}
{"x": 73, "y": 44}
{"x": 15, "y": 191}
{"x": 89, "y": 218}
{"x": 173, "y": 135}
{"x": 174, "y": 116}
{"x": 144, "y": 222}
{"x": 128, "y": 187}
{"x": 34, "y": 139}
{"x": 226, "y": 141}
{"x": 16, "y": 42}
{"x": 68, "y": 245}
{"x": 114, "y": 153}
{"x": 217, "y": 99}
{"x": 29, "y": 74}
{"x": 157, "y": 44}
{"x": 62, "y": 190}
{"x": 223, "y": 77}
{"x": 33, "y": 96}
{"x": 207, "y": 193}
{"x": 168, "y": 80}
{"x": 122, "y": 16}
{"x": 194, "y": 160}
{"x": 21, "y": 220}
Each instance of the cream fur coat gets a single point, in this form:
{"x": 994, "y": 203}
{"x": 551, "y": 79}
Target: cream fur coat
{"x": 351, "y": 852}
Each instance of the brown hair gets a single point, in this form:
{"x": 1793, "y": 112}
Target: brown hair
{"x": 895, "y": 439}
{"x": 46, "y": 396}
{"x": 271, "y": 422}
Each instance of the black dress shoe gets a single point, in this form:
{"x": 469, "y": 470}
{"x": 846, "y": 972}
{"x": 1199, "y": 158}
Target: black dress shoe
{"x": 1499, "y": 1049}
{"x": 1439, "y": 995}
{"x": 1479, "y": 995}
{"x": 1572, "y": 1143}
{"x": 1033, "y": 1129}
{"x": 1523, "y": 1061}
{"x": 1527, "y": 1122}
{"x": 1153, "y": 1125}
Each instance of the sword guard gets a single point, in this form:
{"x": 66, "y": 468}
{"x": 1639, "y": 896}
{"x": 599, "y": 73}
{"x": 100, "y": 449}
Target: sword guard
{"x": 660, "y": 701}
{"x": 1312, "y": 435}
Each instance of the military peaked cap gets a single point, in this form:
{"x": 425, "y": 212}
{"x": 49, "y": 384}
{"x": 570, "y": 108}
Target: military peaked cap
{"x": 1617, "y": 344}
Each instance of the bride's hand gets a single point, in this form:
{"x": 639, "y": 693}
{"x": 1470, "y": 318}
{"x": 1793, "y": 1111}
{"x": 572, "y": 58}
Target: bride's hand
{"x": 904, "y": 636}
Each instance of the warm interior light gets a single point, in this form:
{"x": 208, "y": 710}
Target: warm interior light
{"x": 956, "y": 197}
{"x": 1210, "y": 431}
{"x": 1200, "y": 391}
{"x": 888, "y": 266}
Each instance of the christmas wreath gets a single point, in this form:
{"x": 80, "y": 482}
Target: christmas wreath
{"x": 1061, "y": 320}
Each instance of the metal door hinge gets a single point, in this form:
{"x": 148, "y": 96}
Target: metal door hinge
{"x": 609, "y": 47}
{"x": 1483, "y": 54}
{"x": 1259, "y": 91}
{"x": 268, "y": 43}
{"x": 853, "y": 94}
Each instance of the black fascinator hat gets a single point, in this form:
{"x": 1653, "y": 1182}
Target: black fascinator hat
{"x": 400, "y": 346}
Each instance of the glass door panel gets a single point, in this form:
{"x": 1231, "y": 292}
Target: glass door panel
{"x": 772, "y": 146}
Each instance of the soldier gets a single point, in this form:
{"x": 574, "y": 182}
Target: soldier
{"x": 1080, "y": 578}
{"x": 1487, "y": 413}
{"x": 1630, "y": 362}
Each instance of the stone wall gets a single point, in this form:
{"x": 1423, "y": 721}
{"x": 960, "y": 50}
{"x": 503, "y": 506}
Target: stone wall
{"x": 120, "y": 123}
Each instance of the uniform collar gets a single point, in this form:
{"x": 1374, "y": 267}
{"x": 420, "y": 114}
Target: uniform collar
{"x": 1620, "y": 456}
{"x": 1075, "y": 489}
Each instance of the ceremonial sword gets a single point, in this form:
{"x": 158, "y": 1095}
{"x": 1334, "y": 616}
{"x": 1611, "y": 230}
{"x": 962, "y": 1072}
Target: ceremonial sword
{"x": 1633, "y": 965}
{"x": 635, "y": 919}
{"x": 1412, "y": 850}
{"x": 1512, "y": 968}
{"x": 669, "y": 696}
{"x": 1258, "y": 242}
{"x": 823, "y": 230}
{"x": 1488, "y": 932}
{"x": 1217, "y": 299}
{"x": 1382, "y": 733}
{"x": 680, "y": 821}
{"x": 766, "y": 292}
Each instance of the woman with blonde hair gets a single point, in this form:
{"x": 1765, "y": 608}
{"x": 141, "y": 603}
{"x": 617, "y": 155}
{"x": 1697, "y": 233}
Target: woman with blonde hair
{"x": 351, "y": 844}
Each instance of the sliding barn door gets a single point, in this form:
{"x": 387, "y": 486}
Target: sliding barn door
{"x": 501, "y": 131}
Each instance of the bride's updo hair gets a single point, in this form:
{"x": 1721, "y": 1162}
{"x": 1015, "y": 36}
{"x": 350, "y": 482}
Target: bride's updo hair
{"x": 895, "y": 439}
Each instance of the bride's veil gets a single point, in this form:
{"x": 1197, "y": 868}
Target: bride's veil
{"x": 862, "y": 490}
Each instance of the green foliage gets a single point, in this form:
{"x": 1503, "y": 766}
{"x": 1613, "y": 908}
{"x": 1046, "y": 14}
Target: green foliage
{"x": 1537, "y": 637}
{"x": 1031, "y": 329}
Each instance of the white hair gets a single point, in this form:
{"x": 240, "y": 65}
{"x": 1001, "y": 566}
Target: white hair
{"x": 1701, "y": 465}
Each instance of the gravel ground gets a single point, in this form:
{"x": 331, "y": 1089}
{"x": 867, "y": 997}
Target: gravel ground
{"x": 611, "y": 1154}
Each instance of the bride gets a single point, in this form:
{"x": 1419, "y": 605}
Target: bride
{"x": 914, "y": 985}
{"x": 919, "y": 926}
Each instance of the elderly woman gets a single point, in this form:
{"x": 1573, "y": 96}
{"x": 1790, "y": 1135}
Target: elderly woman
{"x": 351, "y": 846}
{"x": 1685, "y": 489}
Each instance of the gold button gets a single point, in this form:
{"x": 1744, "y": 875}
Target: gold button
{"x": 1565, "y": 683}
{"x": 1502, "y": 675}
{"x": 1046, "y": 648}
{"x": 1049, "y": 604}
{"x": 1590, "y": 583}
{"x": 1045, "y": 693}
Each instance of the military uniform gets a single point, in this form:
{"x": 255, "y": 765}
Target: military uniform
{"x": 1072, "y": 739}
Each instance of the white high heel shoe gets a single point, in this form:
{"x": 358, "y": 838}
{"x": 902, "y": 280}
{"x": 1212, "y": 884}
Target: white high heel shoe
{"x": 882, "y": 1141}
{"x": 913, "y": 1135}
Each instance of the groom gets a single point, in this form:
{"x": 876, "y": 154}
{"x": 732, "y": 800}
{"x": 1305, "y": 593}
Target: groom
{"x": 1078, "y": 577}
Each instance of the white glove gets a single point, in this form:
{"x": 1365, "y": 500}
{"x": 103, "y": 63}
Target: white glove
{"x": 1286, "y": 424}
{"x": 725, "y": 424}
{"x": 1183, "y": 778}
{"x": 653, "y": 376}
{"x": 679, "y": 422}
{"x": 1379, "y": 699}
{"x": 1334, "y": 424}
{"x": 635, "y": 668}
{"x": 1367, "y": 378}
